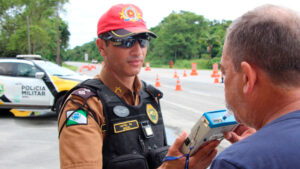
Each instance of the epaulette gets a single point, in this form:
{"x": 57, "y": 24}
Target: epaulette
{"x": 83, "y": 93}
{"x": 154, "y": 92}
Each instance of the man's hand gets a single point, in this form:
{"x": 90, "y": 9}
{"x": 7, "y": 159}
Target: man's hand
{"x": 239, "y": 133}
{"x": 200, "y": 160}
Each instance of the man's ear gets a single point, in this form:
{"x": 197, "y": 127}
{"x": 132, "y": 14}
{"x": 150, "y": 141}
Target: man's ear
{"x": 101, "y": 45}
{"x": 249, "y": 77}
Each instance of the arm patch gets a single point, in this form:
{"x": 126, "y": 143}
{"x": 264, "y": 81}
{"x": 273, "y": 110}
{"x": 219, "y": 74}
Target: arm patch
{"x": 83, "y": 93}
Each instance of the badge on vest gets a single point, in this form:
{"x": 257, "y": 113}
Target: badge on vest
{"x": 121, "y": 111}
{"x": 126, "y": 126}
{"x": 152, "y": 113}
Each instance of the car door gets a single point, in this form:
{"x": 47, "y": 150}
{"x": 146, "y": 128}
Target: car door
{"x": 7, "y": 73}
{"x": 22, "y": 89}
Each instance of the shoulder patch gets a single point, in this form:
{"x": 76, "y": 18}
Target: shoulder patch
{"x": 83, "y": 93}
{"x": 75, "y": 117}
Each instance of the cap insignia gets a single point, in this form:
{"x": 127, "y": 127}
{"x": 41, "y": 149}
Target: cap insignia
{"x": 130, "y": 14}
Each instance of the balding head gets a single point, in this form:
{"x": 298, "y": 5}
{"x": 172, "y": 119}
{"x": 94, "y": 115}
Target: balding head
{"x": 268, "y": 37}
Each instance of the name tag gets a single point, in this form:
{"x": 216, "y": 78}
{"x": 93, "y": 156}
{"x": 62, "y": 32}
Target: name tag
{"x": 126, "y": 126}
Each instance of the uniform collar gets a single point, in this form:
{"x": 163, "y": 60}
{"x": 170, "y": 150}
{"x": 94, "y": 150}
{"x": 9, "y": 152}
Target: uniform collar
{"x": 115, "y": 85}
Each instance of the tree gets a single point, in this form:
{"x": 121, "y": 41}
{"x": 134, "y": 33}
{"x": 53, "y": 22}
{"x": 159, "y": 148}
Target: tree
{"x": 210, "y": 40}
{"x": 13, "y": 32}
{"x": 178, "y": 36}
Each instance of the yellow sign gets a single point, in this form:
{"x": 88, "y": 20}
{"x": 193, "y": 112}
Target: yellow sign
{"x": 126, "y": 126}
{"x": 152, "y": 113}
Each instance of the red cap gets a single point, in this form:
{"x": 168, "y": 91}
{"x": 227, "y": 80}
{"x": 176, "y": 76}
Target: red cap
{"x": 123, "y": 20}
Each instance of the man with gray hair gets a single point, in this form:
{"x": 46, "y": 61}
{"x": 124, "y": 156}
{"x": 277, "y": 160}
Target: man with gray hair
{"x": 261, "y": 64}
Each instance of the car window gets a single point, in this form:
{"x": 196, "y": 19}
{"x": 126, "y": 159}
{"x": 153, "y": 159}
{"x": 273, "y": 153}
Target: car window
{"x": 8, "y": 68}
{"x": 54, "y": 69}
{"x": 26, "y": 70}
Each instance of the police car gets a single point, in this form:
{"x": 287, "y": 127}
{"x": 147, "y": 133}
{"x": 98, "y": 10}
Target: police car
{"x": 28, "y": 82}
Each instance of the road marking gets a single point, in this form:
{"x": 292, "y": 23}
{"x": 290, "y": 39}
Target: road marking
{"x": 189, "y": 91}
{"x": 181, "y": 106}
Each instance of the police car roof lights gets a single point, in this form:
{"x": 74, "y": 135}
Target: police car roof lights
{"x": 37, "y": 57}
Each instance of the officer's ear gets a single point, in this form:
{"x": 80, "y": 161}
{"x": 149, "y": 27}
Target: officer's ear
{"x": 101, "y": 45}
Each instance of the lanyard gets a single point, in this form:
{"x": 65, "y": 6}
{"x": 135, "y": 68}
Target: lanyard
{"x": 186, "y": 166}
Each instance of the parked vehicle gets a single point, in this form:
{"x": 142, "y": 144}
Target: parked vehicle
{"x": 28, "y": 82}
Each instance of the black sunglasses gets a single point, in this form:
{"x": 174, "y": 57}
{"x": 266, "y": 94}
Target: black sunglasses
{"x": 130, "y": 41}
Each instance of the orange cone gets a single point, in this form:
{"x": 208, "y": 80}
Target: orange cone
{"x": 175, "y": 74}
{"x": 93, "y": 67}
{"x": 184, "y": 73}
{"x": 216, "y": 80}
{"x": 147, "y": 66}
{"x": 157, "y": 83}
{"x": 194, "y": 69}
{"x": 215, "y": 71}
{"x": 178, "y": 86}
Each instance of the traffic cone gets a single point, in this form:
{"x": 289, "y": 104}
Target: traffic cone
{"x": 175, "y": 74}
{"x": 157, "y": 83}
{"x": 184, "y": 73}
{"x": 178, "y": 86}
{"x": 93, "y": 67}
{"x": 147, "y": 67}
{"x": 194, "y": 69}
{"x": 215, "y": 73}
{"x": 216, "y": 80}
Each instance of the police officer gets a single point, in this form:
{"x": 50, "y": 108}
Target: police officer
{"x": 114, "y": 120}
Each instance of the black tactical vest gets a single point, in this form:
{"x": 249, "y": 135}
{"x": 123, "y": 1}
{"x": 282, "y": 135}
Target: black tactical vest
{"x": 135, "y": 135}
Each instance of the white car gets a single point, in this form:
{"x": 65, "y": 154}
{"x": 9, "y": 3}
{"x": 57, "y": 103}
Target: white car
{"x": 94, "y": 61}
{"x": 30, "y": 83}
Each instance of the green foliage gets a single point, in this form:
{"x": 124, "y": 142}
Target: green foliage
{"x": 185, "y": 35}
{"x": 78, "y": 52}
{"x": 74, "y": 68}
{"x": 41, "y": 15}
{"x": 177, "y": 36}
{"x": 201, "y": 63}
{"x": 184, "y": 63}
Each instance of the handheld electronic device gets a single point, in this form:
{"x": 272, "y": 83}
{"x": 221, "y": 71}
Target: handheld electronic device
{"x": 211, "y": 126}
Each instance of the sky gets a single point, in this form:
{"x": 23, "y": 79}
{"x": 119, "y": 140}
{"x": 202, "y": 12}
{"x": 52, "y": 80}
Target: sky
{"x": 82, "y": 15}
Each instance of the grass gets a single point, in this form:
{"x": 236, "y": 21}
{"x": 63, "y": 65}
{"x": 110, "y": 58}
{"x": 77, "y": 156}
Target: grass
{"x": 181, "y": 63}
{"x": 74, "y": 68}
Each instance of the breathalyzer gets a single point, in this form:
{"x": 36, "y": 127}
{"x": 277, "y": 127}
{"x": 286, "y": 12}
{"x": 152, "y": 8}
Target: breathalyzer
{"x": 211, "y": 126}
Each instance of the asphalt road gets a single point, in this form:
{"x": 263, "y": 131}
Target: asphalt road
{"x": 32, "y": 142}
{"x": 28, "y": 143}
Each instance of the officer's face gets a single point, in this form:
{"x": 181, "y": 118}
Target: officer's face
{"x": 125, "y": 62}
